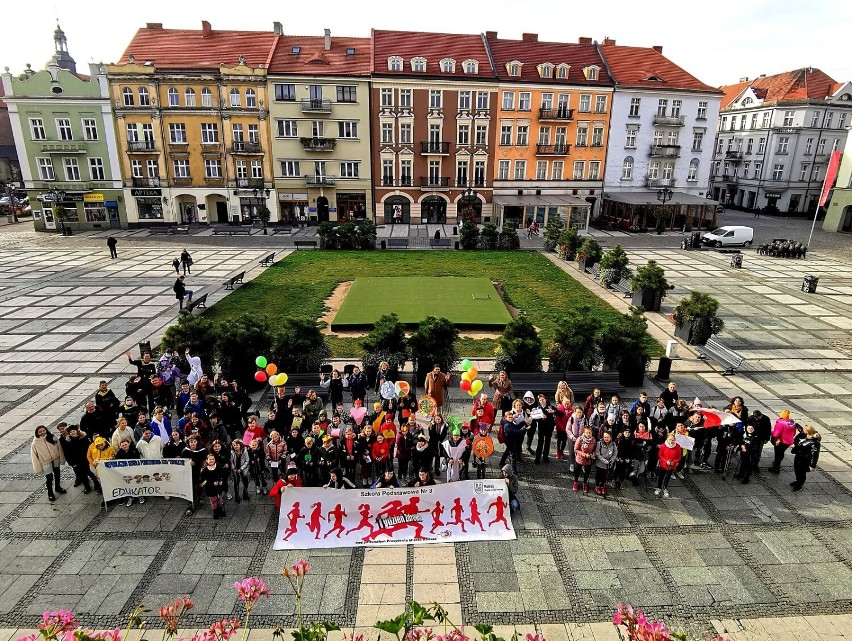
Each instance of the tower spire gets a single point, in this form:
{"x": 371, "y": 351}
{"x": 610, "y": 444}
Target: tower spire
{"x": 61, "y": 58}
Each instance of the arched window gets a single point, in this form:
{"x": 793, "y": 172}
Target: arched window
{"x": 448, "y": 65}
{"x": 394, "y": 63}
{"x": 173, "y": 97}
{"x": 418, "y": 64}
{"x": 562, "y": 71}
{"x": 627, "y": 168}
{"x": 471, "y": 66}
{"x": 235, "y": 97}
{"x": 144, "y": 98}
{"x": 545, "y": 70}
{"x": 189, "y": 97}
{"x": 692, "y": 174}
{"x": 514, "y": 67}
{"x": 397, "y": 210}
{"x": 251, "y": 99}
{"x": 127, "y": 93}
{"x": 206, "y": 97}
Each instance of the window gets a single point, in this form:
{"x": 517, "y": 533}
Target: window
{"x": 290, "y": 168}
{"x": 506, "y": 135}
{"x": 482, "y": 100}
{"x": 144, "y": 98}
{"x": 749, "y": 145}
{"x": 96, "y": 168}
{"x": 821, "y": 147}
{"x": 45, "y": 169}
{"x": 257, "y": 169}
{"x": 347, "y": 129}
{"x": 435, "y": 133}
{"x": 692, "y": 173}
{"x": 394, "y": 63}
{"x": 235, "y": 98}
{"x": 418, "y": 64}
{"x": 524, "y": 101}
{"x": 788, "y": 118}
{"x": 434, "y": 171}
{"x": 387, "y": 172}
{"x": 809, "y": 145}
{"x": 387, "y": 133}
{"x": 349, "y": 169}
{"x": 127, "y": 95}
{"x": 697, "y": 140}
{"x": 405, "y": 98}
{"x": 464, "y": 100}
{"x": 285, "y": 92}
{"x": 746, "y": 167}
{"x": 37, "y": 129}
{"x": 758, "y": 167}
{"x": 435, "y": 99}
{"x": 719, "y": 145}
{"x": 730, "y": 144}
{"x": 132, "y": 132}
{"x": 557, "y": 169}
{"x": 783, "y": 144}
{"x": 72, "y": 170}
{"x": 673, "y": 138}
{"x": 448, "y": 65}
{"x": 627, "y": 168}
{"x": 136, "y": 168}
{"x": 761, "y": 145}
{"x": 630, "y": 140}
{"x": 287, "y": 129}
{"x": 254, "y": 134}
{"x": 520, "y": 169}
{"x": 481, "y": 135}
{"x": 541, "y": 170}
{"x": 237, "y": 132}
{"x": 676, "y": 106}
{"x": 591, "y": 73}
{"x": 478, "y": 173}
{"x": 828, "y": 118}
{"x": 461, "y": 173}
{"x": 804, "y": 174}
{"x": 514, "y": 68}
{"x": 209, "y": 133}
{"x": 405, "y": 136}
{"x": 463, "y": 137}
{"x": 508, "y": 101}
{"x": 180, "y": 168}
{"x": 778, "y": 171}
{"x": 841, "y": 121}
{"x": 600, "y": 104}
{"x": 502, "y": 169}
{"x": 386, "y": 97}
{"x": 585, "y": 102}
{"x": 702, "y": 110}
{"x": 317, "y": 129}
{"x": 347, "y": 93}
{"x": 153, "y": 168}
{"x": 545, "y": 70}
{"x": 563, "y": 100}
{"x": 470, "y": 66}
{"x": 251, "y": 99}
{"x": 562, "y": 71}
{"x": 173, "y": 97}
{"x": 733, "y": 123}
{"x": 582, "y": 134}
{"x": 547, "y": 101}
{"x": 63, "y": 128}
{"x": 668, "y": 171}
{"x": 242, "y": 169}
{"x": 544, "y": 135}
{"x": 523, "y": 135}
{"x": 634, "y": 107}
{"x": 189, "y": 97}
{"x": 597, "y": 136}
{"x": 561, "y": 136}
{"x": 754, "y": 121}
{"x": 206, "y": 98}
{"x": 742, "y": 122}
{"x": 815, "y": 174}
{"x": 579, "y": 170}
{"x": 662, "y": 107}
{"x": 594, "y": 170}
{"x": 405, "y": 171}
{"x": 654, "y": 169}
{"x": 212, "y": 168}
{"x": 766, "y": 119}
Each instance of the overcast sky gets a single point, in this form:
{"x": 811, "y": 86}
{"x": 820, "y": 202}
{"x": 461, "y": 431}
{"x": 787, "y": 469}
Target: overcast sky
{"x": 718, "y": 43}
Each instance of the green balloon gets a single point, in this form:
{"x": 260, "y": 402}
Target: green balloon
{"x": 466, "y": 364}
{"x": 260, "y": 361}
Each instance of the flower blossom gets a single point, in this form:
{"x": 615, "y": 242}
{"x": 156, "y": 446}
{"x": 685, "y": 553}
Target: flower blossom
{"x": 171, "y": 614}
{"x": 250, "y": 590}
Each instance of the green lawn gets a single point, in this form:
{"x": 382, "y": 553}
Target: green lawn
{"x": 470, "y": 303}
{"x": 299, "y": 284}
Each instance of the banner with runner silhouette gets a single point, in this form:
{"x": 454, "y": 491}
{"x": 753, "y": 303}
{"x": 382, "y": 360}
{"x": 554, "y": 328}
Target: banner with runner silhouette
{"x": 462, "y": 511}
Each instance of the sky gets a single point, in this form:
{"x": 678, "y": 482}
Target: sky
{"x": 717, "y": 44}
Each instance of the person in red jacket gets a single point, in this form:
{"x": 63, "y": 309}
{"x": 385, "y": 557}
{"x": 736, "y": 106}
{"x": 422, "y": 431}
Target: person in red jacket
{"x": 487, "y": 409}
{"x": 291, "y": 480}
{"x": 584, "y": 455}
{"x": 783, "y": 436}
{"x": 380, "y": 452}
{"x": 668, "y": 456}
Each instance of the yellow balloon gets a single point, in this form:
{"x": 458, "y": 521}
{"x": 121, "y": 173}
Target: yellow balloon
{"x": 476, "y": 386}
{"x": 467, "y": 377}
{"x": 473, "y": 372}
{"x": 282, "y": 378}
{"x": 471, "y": 392}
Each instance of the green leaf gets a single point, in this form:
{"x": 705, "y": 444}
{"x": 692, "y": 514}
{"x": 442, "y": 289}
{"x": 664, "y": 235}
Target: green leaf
{"x": 394, "y": 626}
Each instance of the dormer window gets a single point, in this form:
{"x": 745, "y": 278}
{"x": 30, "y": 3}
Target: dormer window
{"x": 562, "y": 71}
{"x": 448, "y": 65}
{"x": 591, "y": 73}
{"x": 394, "y": 63}
{"x": 653, "y": 78}
{"x": 514, "y": 68}
{"x": 295, "y": 51}
{"x": 418, "y": 64}
{"x": 545, "y": 70}
{"x": 747, "y": 101}
{"x": 471, "y": 66}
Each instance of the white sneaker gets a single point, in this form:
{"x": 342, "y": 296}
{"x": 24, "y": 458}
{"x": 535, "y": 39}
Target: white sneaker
{"x": 657, "y": 492}
{"x": 129, "y": 502}
{"x": 665, "y": 494}
{"x": 141, "y": 500}
{"x": 679, "y": 476}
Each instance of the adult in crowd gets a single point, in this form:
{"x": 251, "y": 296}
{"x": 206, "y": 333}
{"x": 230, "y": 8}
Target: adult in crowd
{"x": 502, "y": 391}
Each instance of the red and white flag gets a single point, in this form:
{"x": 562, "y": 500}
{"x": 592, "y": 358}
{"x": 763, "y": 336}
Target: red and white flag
{"x": 830, "y": 176}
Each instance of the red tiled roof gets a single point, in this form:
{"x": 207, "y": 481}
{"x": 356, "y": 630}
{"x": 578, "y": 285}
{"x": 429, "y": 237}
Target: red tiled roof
{"x": 432, "y": 46}
{"x": 532, "y": 53}
{"x": 797, "y": 85}
{"x": 633, "y": 66}
{"x": 193, "y": 49}
{"x": 313, "y": 59}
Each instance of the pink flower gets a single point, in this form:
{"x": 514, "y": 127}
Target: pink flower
{"x": 453, "y": 635}
{"x": 420, "y": 634}
{"x": 534, "y": 637}
{"x": 107, "y": 635}
{"x": 54, "y": 624}
{"x": 616, "y": 618}
{"x": 300, "y": 568}
{"x": 358, "y": 637}
{"x": 250, "y": 590}
{"x": 171, "y": 614}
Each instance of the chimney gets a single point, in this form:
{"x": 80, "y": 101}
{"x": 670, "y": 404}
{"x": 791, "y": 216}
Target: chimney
{"x": 744, "y": 79}
{"x": 529, "y": 37}
{"x": 154, "y": 25}
{"x": 658, "y": 48}
{"x": 491, "y": 34}
{"x": 278, "y": 28}
{"x": 206, "y": 29}
{"x": 584, "y": 41}
{"x": 609, "y": 41}
{"x": 327, "y": 40}
{"x": 763, "y": 75}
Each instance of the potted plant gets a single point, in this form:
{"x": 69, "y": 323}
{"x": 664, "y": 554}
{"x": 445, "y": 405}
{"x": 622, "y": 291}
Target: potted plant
{"x": 623, "y": 348}
{"x": 569, "y": 242}
{"x": 695, "y": 318}
{"x": 649, "y": 286}
{"x": 613, "y": 266}
{"x": 590, "y": 253}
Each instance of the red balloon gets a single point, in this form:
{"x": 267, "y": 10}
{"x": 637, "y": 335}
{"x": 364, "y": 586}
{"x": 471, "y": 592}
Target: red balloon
{"x": 465, "y": 385}
{"x": 260, "y": 376}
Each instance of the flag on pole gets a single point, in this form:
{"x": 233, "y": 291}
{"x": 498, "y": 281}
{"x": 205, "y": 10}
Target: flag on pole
{"x": 830, "y": 176}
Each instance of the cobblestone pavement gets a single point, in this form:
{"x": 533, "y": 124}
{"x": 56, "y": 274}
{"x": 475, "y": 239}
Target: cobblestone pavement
{"x": 716, "y": 556}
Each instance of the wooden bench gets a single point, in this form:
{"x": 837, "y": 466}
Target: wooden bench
{"x": 282, "y": 229}
{"x": 268, "y": 260}
{"x": 440, "y": 242}
{"x": 624, "y": 287}
{"x": 200, "y": 303}
{"x": 581, "y": 383}
{"x": 725, "y": 356}
{"x": 234, "y": 280}
{"x": 305, "y": 243}
{"x": 402, "y": 243}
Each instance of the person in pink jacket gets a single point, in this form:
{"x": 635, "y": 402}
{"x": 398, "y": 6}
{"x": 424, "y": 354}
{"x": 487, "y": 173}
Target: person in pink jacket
{"x": 783, "y": 435}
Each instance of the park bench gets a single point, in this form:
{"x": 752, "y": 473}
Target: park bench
{"x": 401, "y": 243}
{"x": 309, "y": 381}
{"x": 162, "y": 231}
{"x": 234, "y": 280}
{"x": 440, "y": 242}
{"x": 305, "y": 243}
{"x": 624, "y": 287}
{"x": 725, "y": 356}
{"x": 181, "y": 230}
{"x": 282, "y": 229}
{"x": 200, "y": 303}
{"x": 594, "y": 271}
{"x": 268, "y": 260}
{"x": 240, "y": 231}
{"x": 581, "y": 383}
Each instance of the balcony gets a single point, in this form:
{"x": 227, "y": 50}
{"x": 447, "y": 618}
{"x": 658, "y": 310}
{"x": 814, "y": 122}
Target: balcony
{"x": 63, "y": 148}
{"x": 434, "y": 147}
{"x": 249, "y": 183}
{"x": 735, "y": 156}
{"x": 435, "y": 182}
{"x": 559, "y": 149}
{"x": 665, "y": 151}
{"x": 406, "y": 181}
{"x": 146, "y": 182}
{"x": 318, "y": 144}
{"x": 670, "y": 121}
{"x": 316, "y": 106}
{"x": 556, "y": 114}
{"x": 141, "y": 147}
{"x": 388, "y": 181}
{"x": 729, "y": 178}
{"x": 246, "y": 148}
{"x": 320, "y": 181}
{"x": 657, "y": 183}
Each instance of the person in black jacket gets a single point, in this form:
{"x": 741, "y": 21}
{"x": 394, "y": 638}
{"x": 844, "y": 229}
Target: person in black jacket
{"x": 729, "y": 439}
{"x": 358, "y": 385}
{"x": 109, "y": 404}
{"x": 544, "y": 427}
{"x": 94, "y": 421}
{"x": 763, "y": 432}
{"x": 181, "y": 291}
{"x": 175, "y": 446}
{"x": 75, "y": 444}
{"x": 196, "y": 455}
{"x": 749, "y": 454}
{"x": 806, "y": 448}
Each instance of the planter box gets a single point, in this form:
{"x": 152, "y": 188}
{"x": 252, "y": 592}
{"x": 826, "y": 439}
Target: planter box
{"x": 585, "y": 264}
{"x": 649, "y": 299}
{"x": 632, "y": 375}
{"x": 684, "y": 332}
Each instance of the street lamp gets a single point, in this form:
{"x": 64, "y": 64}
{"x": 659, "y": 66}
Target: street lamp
{"x": 664, "y": 195}
{"x": 56, "y": 196}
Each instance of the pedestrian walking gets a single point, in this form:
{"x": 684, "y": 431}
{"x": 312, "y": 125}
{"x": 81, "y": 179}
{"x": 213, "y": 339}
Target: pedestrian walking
{"x": 181, "y": 291}
{"x": 805, "y": 455}
{"x": 111, "y": 243}
{"x": 186, "y": 262}
{"x": 176, "y": 265}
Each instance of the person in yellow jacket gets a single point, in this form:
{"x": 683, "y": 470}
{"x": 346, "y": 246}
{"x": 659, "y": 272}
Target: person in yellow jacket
{"x": 47, "y": 456}
{"x": 99, "y": 450}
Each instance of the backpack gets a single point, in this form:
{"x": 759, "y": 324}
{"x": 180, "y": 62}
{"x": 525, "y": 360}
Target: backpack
{"x": 501, "y": 437}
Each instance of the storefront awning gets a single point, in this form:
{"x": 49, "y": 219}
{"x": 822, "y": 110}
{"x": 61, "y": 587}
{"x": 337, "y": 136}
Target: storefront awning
{"x": 650, "y": 198}
{"x": 544, "y": 200}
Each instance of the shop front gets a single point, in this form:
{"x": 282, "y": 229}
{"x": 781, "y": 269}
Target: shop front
{"x": 642, "y": 210}
{"x": 293, "y": 207}
{"x": 249, "y": 206}
{"x": 523, "y": 210}
{"x": 397, "y": 209}
{"x": 149, "y": 205}
{"x": 351, "y": 207}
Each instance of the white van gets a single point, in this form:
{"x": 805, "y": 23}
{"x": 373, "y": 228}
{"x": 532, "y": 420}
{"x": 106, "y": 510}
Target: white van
{"x": 729, "y": 235}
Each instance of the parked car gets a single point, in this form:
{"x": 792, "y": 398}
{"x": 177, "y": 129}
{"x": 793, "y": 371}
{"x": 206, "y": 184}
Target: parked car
{"x": 729, "y": 235}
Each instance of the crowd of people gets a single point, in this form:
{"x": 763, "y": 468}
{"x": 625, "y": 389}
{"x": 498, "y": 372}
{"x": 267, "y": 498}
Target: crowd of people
{"x": 172, "y": 409}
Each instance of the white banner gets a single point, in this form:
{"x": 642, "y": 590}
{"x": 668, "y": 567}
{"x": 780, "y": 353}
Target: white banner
{"x": 462, "y": 511}
{"x": 146, "y": 477}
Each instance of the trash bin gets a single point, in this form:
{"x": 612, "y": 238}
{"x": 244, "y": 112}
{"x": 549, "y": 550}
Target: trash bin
{"x": 664, "y": 369}
{"x": 696, "y": 240}
{"x": 671, "y": 349}
{"x": 384, "y": 245}
{"x": 809, "y": 284}
{"x": 144, "y": 347}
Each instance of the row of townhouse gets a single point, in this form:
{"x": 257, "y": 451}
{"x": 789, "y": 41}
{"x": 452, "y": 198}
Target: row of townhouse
{"x": 211, "y": 125}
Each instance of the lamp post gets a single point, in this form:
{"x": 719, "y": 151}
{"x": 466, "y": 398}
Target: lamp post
{"x": 664, "y": 195}
{"x": 57, "y": 196}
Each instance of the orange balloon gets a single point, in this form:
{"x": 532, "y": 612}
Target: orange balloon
{"x": 271, "y": 369}
{"x": 467, "y": 377}
{"x": 473, "y": 372}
